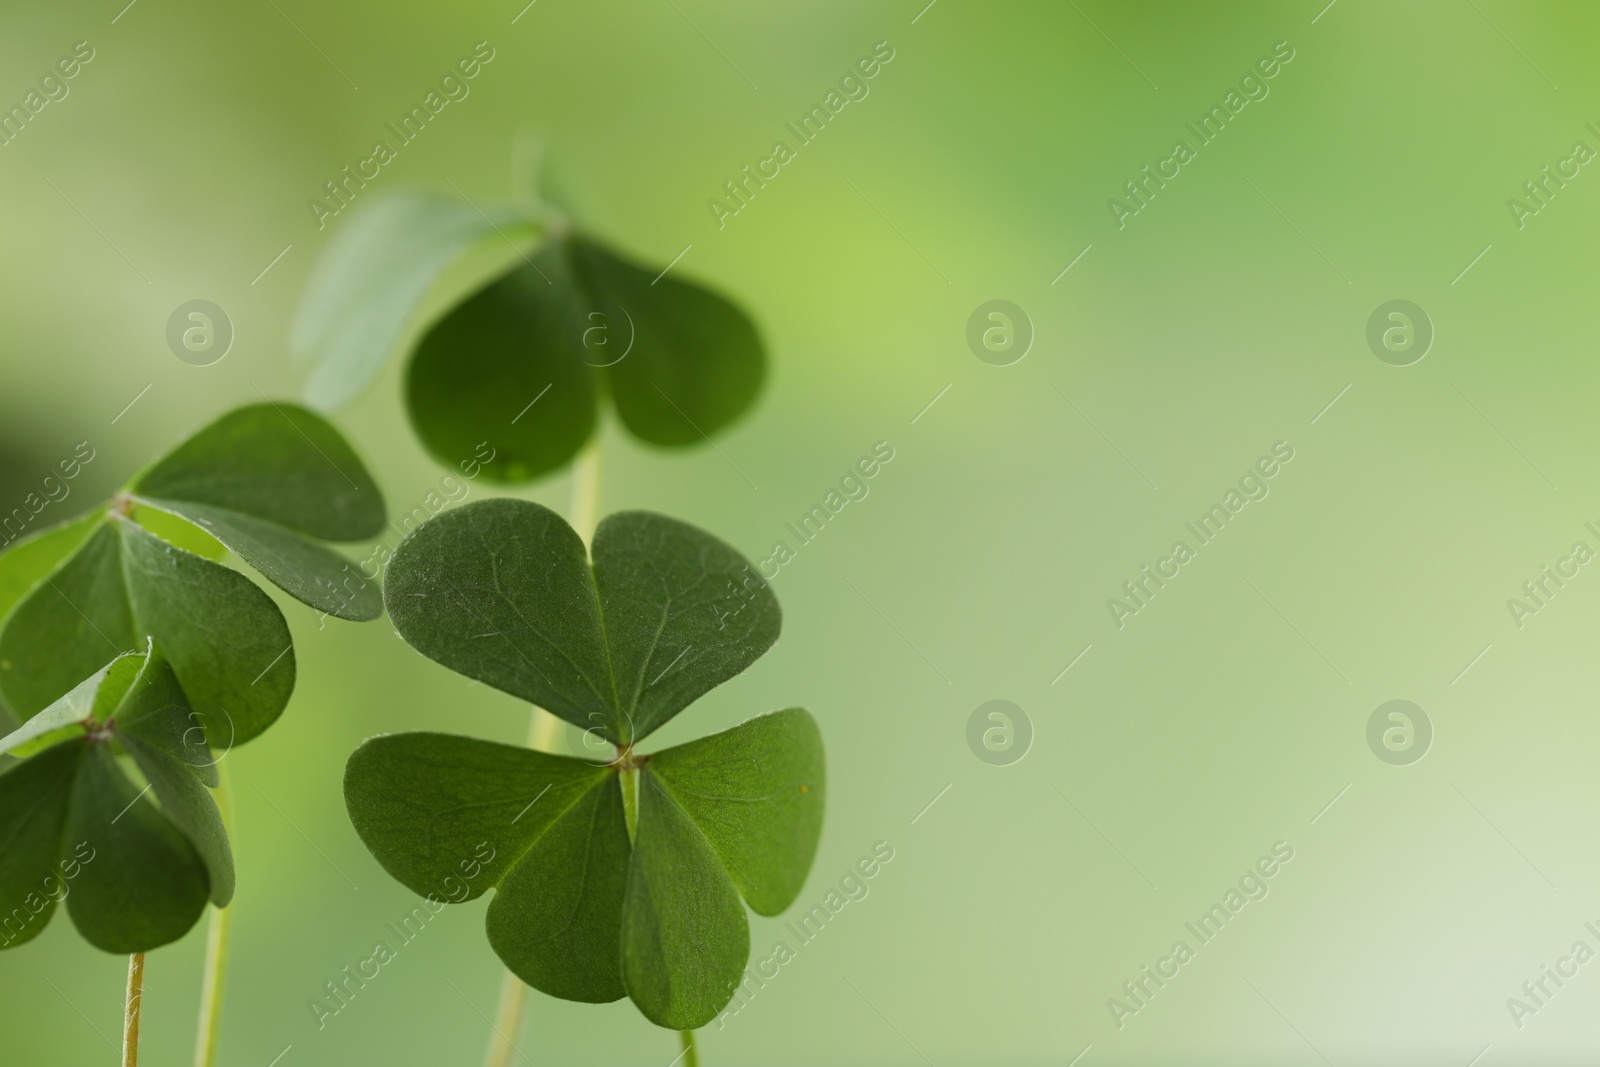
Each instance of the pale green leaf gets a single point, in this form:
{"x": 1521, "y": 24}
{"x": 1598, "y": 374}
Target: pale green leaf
{"x": 176, "y": 530}
{"x": 27, "y": 561}
{"x": 369, "y": 283}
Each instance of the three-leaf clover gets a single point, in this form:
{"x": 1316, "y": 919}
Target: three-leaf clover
{"x": 134, "y": 869}
{"x": 527, "y": 359}
{"x": 618, "y": 879}
{"x": 268, "y": 481}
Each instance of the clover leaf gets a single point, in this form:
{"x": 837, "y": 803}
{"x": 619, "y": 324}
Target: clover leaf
{"x": 527, "y": 358}
{"x": 135, "y": 870}
{"x": 502, "y": 591}
{"x": 375, "y": 273}
{"x": 269, "y": 482}
{"x": 611, "y": 880}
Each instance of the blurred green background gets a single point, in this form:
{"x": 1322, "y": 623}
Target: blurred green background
{"x": 1177, "y": 350}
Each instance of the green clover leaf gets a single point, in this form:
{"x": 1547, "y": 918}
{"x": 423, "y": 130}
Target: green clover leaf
{"x": 502, "y": 591}
{"x": 376, "y": 271}
{"x": 268, "y": 481}
{"x": 135, "y": 866}
{"x": 526, "y": 358}
{"x": 621, "y": 879}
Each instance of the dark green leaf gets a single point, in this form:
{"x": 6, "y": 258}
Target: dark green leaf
{"x": 189, "y": 805}
{"x": 523, "y": 361}
{"x": 307, "y": 571}
{"x": 506, "y": 366}
{"x": 156, "y": 711}
{"x": 71, "y": 624}
{"x": 757, "y": 793}
{"x": 225, "y": 638}
{"x": 450, "y": 816}
{"x": 504, "y": 592}
{"x": 262, "y": 480}
{"x": 374, "y": 275}
{"x": 430, "y": 805}
{"x": 146, "y": 885}
{"x": 556, "y": 919}
{"x": 684, "y": 612}
{"x": 696, "y": 363}
{"x": 275, "y": 462}
{"x": 76, "y": 794}
{"x": 685, "y": 938}
{"x": 34, "y": 797}
{"x": 500, "y": 591}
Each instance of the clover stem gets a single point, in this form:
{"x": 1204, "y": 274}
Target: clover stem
{"x": 507, "y": 1018}
{"x": 690, "y": 1054}
{"x": 205, "y": 1038}
{"x": 130, "y": 1015}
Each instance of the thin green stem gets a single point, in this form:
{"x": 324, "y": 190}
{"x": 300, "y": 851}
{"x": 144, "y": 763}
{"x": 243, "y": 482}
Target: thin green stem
{"x": 691, "y": 1055}
{"x": 544, "y": 735}
{"x": 131, "y": 1010}
{"x": 205, "y": 1038}
{"x": 507, "y": 1017}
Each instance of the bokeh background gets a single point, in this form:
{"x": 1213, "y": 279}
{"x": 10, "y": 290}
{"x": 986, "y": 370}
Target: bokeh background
{"x": 1172, "y": 355}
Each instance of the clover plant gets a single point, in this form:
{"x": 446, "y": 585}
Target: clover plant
{"x": 268, "y": 481}
{"x": 530, "y": 357}
{"x": 133, "y": 655}
{"x": 530, "y": 360}
{"x": 612, "y": 879}
{"x": 135, "y": 871}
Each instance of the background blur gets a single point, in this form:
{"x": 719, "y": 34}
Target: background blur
{"x": 1175, "y": 352}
